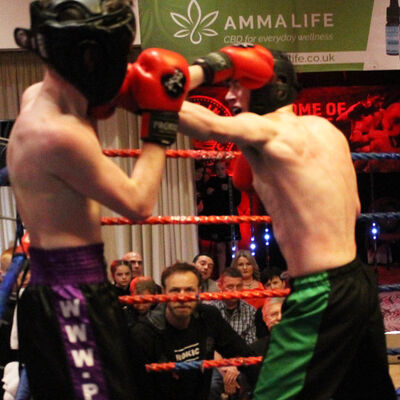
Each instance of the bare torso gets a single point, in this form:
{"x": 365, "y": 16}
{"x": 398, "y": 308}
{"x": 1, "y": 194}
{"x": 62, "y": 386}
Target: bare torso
{"x": 306, "y": 180}
{"x": 60, "y": 175}
{"x": 54, "y": 213}
{"x": 303, "y": 174}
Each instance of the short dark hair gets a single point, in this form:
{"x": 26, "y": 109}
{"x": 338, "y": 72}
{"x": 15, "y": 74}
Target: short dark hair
{"x": 178, "y": 268}
{"x": 269, "y": 273}
{"x": 141, "y": 283}
{"x": 232, "y": 272}
{"x": 197, "y": 256}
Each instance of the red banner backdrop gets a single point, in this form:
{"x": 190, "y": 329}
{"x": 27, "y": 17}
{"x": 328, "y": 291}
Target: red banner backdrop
{"x": 369, "y": 117}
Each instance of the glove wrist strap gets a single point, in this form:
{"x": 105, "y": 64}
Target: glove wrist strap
{"x": 159, "y": 127}
{"x": 217, "y": 67}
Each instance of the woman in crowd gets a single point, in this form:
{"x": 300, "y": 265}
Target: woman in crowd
{"x": 248, "y": 266}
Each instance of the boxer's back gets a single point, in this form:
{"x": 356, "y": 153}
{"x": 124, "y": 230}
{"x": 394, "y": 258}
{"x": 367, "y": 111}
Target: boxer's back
{"x": 54, "y": 213}
{"x": 307, "y": 183}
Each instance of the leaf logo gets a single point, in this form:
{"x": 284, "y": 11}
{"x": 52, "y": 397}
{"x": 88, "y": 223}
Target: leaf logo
{"x": 194, "y": 25}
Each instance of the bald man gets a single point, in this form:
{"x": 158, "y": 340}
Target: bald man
{"x": 136, "y": 261}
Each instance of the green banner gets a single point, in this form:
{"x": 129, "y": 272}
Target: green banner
{"x": 318, "y": 35}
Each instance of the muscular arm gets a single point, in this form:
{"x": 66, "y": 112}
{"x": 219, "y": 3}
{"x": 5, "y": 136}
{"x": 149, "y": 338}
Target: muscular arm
{"x": 198, "y": 122}
{"x": 196, "y": 76}
{"x": 77, "y": 159}
{"x": 251, "y": 67}
{"x": 246, "y": 128}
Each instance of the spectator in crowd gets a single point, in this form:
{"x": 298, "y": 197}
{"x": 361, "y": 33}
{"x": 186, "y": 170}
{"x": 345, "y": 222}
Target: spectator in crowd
{"x": 235, "y": 384}
{"x": 121, "y": 273}
{"x": 221, "y": 198}
{"x": 238, "y": 313}
{"x": 9, "y": 345}
{"x": 7, "y": 355}
{"x": 205, "y": 265}
{"x": 271, "y": 278}
{"x": 248, "y": 266}
{"x": 272, "y": 311}
{"x": 271, "y": 315}
{"x": 136, "y": 262}
{"x": 201, "y": 178}
{"x": 240, "y": 317}
{"x": 183, "y": 331}
{"x": 140, "y": 285}
{"x": 5, "y": 261}
{"x": 385, "y": 249}
{"x": 200, "y": 186}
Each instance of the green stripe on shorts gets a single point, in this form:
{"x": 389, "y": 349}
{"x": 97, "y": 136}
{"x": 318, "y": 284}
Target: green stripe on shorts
{"x": 293, "y": 340}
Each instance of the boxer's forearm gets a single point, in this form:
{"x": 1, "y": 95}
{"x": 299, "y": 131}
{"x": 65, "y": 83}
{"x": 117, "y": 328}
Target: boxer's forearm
{"x": 196, "y": 76}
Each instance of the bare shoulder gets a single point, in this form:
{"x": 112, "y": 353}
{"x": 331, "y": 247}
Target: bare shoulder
{"x": 69, "y": 130}
{"x": 284, "y": 135}
{"x": 30, "y": 94}
{"x": 48, "y": 138}
{"x": 287, "y": 123}
{"x": 321, "y": 127}
{"x": 277, "y": 126}
{"x": 317, "y": 121}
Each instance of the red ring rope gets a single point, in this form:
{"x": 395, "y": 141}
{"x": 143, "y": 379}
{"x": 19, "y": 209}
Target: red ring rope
{"x": 207, "y": 296}
{"x": 186, "y": 220}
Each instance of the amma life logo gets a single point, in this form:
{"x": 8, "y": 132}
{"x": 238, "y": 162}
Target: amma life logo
{"x": 195, "y": 25}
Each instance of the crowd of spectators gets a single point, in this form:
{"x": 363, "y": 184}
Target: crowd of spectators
{"x": 236, "y": 327}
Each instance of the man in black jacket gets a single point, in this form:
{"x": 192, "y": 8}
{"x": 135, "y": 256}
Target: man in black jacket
{"x": 183, "y": 331}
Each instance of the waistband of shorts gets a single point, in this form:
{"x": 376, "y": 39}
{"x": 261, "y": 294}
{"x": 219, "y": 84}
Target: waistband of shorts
{"x": 329, "y": 274}
{"x": 67, "y": 265}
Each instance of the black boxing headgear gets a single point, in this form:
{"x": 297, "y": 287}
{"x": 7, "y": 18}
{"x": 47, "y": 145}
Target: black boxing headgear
{"x": 86, "y": 41}
{"x": 281, "y": 91}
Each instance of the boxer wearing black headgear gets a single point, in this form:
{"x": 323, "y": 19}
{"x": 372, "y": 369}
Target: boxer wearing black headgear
{"x": 281, "y": 91}
{"x": 72, "y": 333}
{"x": 86, "y": 41}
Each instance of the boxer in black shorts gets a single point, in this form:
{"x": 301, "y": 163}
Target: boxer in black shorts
{"x": 302, "y": 171}
{"x": 71, "y": 333}
{"x": 331, "y": 334}
{"x": 72, "y": 340}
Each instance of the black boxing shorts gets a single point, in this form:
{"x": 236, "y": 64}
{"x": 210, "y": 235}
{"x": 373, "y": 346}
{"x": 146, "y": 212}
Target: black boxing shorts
{"x": 72, "y": 335}
{"x": 330, "y": 342}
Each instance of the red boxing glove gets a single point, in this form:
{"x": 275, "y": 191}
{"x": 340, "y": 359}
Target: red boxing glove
{"x": 160, "y": 87}
{"x": 242, "y": 177}
{"x": 155, "y": 86}
{"x": 251, "y": 65}
{"x": 125, "y": 98}
{"x": 102, "y": 112}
